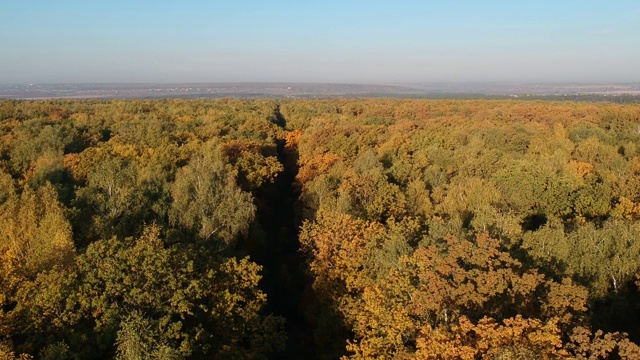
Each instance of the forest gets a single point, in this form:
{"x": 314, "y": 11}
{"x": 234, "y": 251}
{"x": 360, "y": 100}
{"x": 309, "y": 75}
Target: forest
{"x": 319, "y": 229}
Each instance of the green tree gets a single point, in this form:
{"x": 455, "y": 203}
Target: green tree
{"x": 207, "y": 202}
{"x": 146, "y": 299}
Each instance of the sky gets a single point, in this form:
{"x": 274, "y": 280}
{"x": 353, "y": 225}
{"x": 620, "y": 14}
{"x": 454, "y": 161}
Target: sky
{"x": 347, "y": 41}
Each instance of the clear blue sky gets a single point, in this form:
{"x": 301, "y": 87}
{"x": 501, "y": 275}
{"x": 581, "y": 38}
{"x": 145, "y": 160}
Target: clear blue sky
{"x": 46, "y": 41}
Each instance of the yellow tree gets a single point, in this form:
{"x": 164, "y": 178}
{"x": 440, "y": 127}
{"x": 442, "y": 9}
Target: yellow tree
{"x": 36, "y": 248}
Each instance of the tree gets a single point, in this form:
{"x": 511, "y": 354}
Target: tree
{"x": 7, "y": 187}
{"x": 36, "y": 256}
{"x": 207, "y": 202}
{"x": 36, "y": 237}
{"x": 112, "y": 198}
{"x": 147, "y": 299}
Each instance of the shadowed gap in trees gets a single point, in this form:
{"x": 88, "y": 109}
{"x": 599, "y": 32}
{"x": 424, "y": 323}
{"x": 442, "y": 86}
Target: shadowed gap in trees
{"x": 285, "y": 279}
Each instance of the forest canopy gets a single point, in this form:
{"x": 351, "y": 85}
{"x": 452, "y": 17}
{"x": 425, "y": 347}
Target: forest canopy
{"x": 371, "y": 228}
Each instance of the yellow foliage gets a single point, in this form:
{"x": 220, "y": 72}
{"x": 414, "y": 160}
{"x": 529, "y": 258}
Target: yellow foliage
{"x": 35, "y": 237}
{"x": 126, "y": 150}
{"x": 183, "y": 118}
{"x": 517, "y": 338}
{"x": 627, "y": 209}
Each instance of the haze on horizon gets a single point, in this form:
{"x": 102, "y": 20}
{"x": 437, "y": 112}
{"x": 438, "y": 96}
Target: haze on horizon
{"x": 357, "y": 41}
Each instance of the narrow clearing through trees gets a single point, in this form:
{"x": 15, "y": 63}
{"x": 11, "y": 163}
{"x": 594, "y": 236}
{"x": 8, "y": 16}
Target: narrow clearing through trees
{"x": 284, "y": 271}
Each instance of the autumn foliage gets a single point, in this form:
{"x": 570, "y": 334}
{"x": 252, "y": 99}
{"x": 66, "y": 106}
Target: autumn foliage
{"x": 417, "y": 229}
{"x": 470, "y": 229}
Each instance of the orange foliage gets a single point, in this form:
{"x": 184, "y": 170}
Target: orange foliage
{"x": 430, "y": 296}
{"x": 183, "y": 118}
{"x": 311, "y": 167}
{"x": 517, "y": 338}
{"x": 339, "y": 244}
{"x": 56, "y": 115}
{"x": 81, "y": 164}
{"x": 587, "y": 345}
{"x": 292, "y": 139}
{"x": 582, "y": 168}
{"x": 72, "y": 161}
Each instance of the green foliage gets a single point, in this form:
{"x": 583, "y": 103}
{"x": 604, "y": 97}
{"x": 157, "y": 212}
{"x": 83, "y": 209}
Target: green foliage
{"x": 207, "y": 202}
{"x": 137, "y": 341}
{"x": 7, "y": 187}
{"x": 56, "y": 351}
{"x": 113, "y": 198}
{"x": 155, "y": 300}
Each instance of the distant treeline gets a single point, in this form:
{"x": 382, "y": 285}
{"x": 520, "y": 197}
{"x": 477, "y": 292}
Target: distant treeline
{"x": 615, "y": 99}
